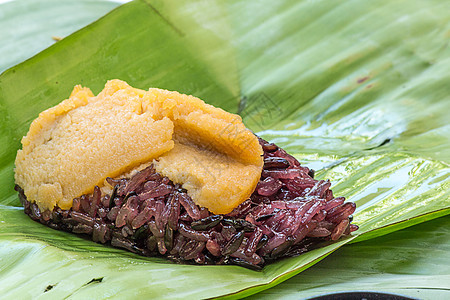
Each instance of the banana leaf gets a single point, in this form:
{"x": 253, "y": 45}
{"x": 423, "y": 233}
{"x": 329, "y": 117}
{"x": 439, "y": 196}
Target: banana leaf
{"x": 395, "y": 264}
{"x": 357, "y": 90}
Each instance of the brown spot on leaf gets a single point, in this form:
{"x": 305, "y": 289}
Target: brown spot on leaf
{"x": 362, "y": 79}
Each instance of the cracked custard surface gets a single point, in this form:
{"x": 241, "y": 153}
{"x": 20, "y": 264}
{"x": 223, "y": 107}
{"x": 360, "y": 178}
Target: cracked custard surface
{"x": 75, "y": 145}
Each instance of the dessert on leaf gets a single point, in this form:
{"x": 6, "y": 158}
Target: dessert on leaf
{"x": 162, "y": 173}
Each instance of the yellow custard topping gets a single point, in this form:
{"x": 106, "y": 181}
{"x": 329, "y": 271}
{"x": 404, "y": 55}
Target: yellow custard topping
{"x": 75, "y": 145}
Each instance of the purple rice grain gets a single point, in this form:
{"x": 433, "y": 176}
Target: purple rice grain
{"x": 193, "y": 234}
{"x": 233, "y": 244}
{"x": 275, "y": 163}
{"x": 206, "y": 223}
{"x": 269, "y": 147}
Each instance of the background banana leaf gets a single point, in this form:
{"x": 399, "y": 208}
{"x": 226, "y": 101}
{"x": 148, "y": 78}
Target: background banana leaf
{"x": 357, "y": 90}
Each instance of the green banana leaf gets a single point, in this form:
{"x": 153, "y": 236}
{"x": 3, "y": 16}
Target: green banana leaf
{"x": 358, "y": 90}
{"x": 395, "y": 263}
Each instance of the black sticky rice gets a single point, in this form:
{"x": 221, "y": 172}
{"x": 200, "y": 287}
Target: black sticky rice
{"x": 288, "y": 214}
